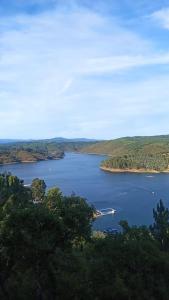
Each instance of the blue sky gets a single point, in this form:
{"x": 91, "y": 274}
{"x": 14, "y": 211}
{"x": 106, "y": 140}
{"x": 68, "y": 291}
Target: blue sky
{"x": 97, "y": 69}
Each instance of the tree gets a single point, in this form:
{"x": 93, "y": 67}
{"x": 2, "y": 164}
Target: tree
{"x": 160, "y": 228}
{"x": 32, "y": 242}
{"x": 38, "y": 257}
{"x": 75, "y": 213}
{"x": 53, "y": 199}
{"x": 38, "y": 188}
{"x": 77, "y": 216}
{"x": 12, "y": 191}
{"x": 48, "y": 252}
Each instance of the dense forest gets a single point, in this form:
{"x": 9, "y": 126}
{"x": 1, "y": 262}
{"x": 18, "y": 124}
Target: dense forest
{"x": 149, "y": 153}
{"x": 129, "y": 145}
{"x": 156, "y": 162}
{"x": 48, "y": 250}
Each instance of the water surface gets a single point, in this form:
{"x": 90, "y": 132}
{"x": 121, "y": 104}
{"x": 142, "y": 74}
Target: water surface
{"x": 132, "y": 195}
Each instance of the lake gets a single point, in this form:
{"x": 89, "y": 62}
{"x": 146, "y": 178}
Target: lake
{"x": 132, "y": 195}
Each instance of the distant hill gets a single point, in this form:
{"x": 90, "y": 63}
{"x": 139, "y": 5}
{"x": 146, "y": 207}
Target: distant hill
{"x": 128, "y": 145}
{"x": 8, "y": 141}
{"x": 140, "y": 153}
{"x": 56, "y": 139}
{"x": 62, "y": 140}
{"x": 30, "y": 151}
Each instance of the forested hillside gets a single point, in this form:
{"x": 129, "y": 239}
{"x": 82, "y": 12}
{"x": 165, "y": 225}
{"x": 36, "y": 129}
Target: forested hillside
{"x": 32, "y": 151}
{"x": 149, "y": 153}
{"x": 28, "y": 153}
{"x": 49, "y": 252}
{"x": 129, "y": 145}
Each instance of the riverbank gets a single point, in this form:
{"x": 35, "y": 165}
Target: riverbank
{"x": 132, "y": 170}
{"x": 29, "y": 161}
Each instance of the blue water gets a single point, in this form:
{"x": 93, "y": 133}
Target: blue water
{"x": 130, "y": 194}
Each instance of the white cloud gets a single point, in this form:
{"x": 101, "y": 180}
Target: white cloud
{"x": 162, "y": 17}
{"x": 124, "y": 62}
{"x": 52, "y": 69}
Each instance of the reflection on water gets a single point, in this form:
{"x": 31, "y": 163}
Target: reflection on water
{"x": 133, "y": 196}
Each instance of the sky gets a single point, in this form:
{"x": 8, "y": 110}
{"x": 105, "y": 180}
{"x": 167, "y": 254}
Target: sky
{"x": 81, "y": 68}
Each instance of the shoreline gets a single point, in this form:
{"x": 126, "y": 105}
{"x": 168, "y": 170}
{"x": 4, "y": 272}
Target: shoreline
{"x": 28, "y": 161}
{"x": 141, "y": 171}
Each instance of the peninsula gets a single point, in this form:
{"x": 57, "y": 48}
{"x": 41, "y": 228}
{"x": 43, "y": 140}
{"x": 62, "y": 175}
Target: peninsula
{"x": 38, "y": 150}
{"x": 21, "y": 155}
{"x": 138, "y": 154}
{"x": 118, "y": 170}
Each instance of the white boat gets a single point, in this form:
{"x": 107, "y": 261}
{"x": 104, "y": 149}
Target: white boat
{"x": 105, "y": 211}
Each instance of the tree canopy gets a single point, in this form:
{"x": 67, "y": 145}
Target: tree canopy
{"x": 48, "y": 250}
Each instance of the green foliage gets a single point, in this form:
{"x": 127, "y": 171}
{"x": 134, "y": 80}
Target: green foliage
{"x": 128, "y": 268}
{"x": 149, "y": 153}
{"x": 20, "y": 152}
{"x": 77, "y": 216}
{"x": 131, "y": 145}
{"x": 157, "y": 162}
{"x": 12, "y": 190}
{"x": 38, "y": 188}
{"x": 53, "y": 200}
{"x": 37, "y": 150}
{"x": 160, "y": 228}
{"x": 38, "y": 242}
{"x": 48, "y": 251}
{"x": 75, "y": 213}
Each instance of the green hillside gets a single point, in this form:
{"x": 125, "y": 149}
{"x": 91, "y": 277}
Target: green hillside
{"x": 149, "y": 153}
{"x": 20, "y": 153}
{"x": 32, "y": 151}
{"x": 129, "y": 145}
